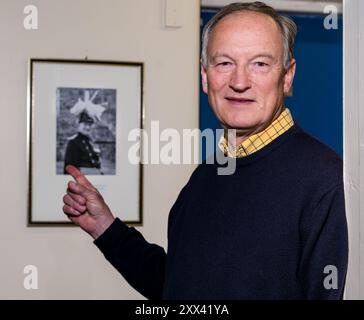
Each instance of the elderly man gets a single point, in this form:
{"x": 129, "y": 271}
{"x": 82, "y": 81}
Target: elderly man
{"x": 276, "y": 227}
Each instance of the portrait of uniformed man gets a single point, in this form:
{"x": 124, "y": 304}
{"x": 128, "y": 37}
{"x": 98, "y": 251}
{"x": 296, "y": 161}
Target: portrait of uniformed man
{"x": 81, "y": 151}
{"x": 86, "y": 126}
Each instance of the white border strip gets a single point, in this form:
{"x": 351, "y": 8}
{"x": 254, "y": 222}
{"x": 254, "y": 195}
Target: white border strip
{"x": 282, "y": 5}
{"x": 354, "y": 143}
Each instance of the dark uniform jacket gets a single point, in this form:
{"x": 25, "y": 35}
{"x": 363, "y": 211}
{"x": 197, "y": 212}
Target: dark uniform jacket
{"x": 81, "y": 153}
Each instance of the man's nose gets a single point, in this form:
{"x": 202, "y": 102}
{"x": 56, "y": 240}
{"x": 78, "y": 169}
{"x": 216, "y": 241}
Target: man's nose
{"x": 240, "y": 80}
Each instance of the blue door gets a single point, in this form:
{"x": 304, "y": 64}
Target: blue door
{"x": 317, "y": 101}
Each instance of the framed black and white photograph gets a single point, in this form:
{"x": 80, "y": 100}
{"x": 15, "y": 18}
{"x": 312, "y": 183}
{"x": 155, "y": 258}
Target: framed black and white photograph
{"x": 86, "y": 136}
{"x": 80, "y": 113}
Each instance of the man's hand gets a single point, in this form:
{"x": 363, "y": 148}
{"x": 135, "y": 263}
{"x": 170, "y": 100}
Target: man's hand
{"x": 84, "y": 205}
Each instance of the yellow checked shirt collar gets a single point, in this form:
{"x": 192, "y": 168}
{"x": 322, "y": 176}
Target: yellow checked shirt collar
{"x": 261, "y": 139}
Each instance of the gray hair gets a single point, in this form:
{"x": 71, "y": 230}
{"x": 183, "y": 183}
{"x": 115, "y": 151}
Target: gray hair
{"x": 286, "y": 25}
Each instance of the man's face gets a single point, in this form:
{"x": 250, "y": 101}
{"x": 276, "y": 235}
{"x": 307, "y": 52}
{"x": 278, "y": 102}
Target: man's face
{"x": 245, "y": 79}
{"x": 85, "y": 128}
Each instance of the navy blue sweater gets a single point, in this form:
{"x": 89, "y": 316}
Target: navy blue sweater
{"x": 265, "y": 232}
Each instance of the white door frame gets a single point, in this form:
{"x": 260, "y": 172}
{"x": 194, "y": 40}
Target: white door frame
{"x": 354, "y": 142}
{"x": 282, "y": 5}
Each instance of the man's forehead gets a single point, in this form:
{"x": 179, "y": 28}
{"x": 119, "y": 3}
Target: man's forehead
{"x": 252, "y": 32}
{"x": 257, "y": 54}
{"x": 246, "y": 21}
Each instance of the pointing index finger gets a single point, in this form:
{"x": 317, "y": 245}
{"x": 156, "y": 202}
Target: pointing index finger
{"x": 79, "y": 176}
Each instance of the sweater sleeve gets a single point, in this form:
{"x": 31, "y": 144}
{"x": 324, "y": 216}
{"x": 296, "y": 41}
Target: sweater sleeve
{"x": 324, "y": 257}
{"x": 141, "y": 263}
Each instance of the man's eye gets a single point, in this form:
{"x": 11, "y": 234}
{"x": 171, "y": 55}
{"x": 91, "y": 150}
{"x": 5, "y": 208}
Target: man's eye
{"x": 225, "y": 63}
{"x": 260, "y": 64}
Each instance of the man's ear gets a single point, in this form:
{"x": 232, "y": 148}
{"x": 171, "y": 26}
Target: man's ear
{"x": 204, "y": 79}
{"x": 288, "y": 78}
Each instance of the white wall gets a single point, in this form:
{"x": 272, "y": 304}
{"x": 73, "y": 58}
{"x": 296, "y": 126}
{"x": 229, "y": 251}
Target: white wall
{"x": 354, "y": 142}
{"x": 69, "y": 265}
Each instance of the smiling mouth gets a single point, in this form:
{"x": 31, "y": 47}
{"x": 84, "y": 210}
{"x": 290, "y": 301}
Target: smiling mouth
{"x": 239, "y": 100}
